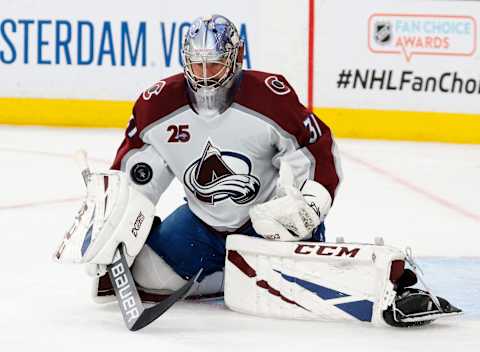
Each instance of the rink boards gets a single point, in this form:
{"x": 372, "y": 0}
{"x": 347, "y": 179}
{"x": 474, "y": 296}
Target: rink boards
{"x": 387, "y": 70}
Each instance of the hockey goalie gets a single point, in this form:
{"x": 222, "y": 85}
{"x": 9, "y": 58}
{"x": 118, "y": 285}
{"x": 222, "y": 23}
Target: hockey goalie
{"x": 260, "y": 173}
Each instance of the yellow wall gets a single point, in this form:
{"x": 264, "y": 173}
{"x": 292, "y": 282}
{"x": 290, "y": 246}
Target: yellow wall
{"x": 402, "y": 125}
{"x": 65, "y": 112}
{"x": 349, "y": 123}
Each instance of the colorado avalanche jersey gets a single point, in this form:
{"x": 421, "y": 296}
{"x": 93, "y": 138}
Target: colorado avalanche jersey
{"x": 229, "y": 162}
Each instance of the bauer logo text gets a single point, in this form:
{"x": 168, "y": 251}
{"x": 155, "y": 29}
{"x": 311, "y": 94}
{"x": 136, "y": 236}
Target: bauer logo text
{"x": 125, "y": 293}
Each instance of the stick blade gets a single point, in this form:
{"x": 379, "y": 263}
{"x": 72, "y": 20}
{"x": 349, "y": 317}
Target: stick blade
{"x": 151, "y": 314}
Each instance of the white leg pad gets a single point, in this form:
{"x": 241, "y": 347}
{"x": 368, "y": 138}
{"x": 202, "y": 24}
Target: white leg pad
{"x": 309, "y": 280}
{"x": 211, "y": 284}
{"x": 151, "y": 271}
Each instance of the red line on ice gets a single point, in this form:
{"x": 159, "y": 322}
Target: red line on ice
{"x": 50, "y": 154}
{"x": 412, "y": 187}
{"x": 44, "y": 202}
{"x": 40, "y": 203}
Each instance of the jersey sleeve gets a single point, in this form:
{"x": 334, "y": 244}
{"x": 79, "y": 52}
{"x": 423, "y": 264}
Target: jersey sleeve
{"x": 144, "y": 164}
{"x": 299, "y": 137}
{"x": 315, "y": 154}
{"x": 145, "y": 167}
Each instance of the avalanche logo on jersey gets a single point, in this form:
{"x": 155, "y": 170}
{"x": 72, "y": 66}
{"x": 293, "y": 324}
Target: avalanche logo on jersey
{"x": 218, "y": 176}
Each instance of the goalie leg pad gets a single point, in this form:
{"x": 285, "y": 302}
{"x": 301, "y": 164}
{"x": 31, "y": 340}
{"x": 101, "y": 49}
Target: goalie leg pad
{"x": 151, "y": 271}
{"x": 155, "y": 277}
{"x": 329, "y": 281}
{"x": 155, "y": 280}
{"x": 307, "y": 280}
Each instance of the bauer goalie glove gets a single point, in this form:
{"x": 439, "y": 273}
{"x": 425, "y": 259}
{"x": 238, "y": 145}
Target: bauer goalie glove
{"x": 294, "y": 213}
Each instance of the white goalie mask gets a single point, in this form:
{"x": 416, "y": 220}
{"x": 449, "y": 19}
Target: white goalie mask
{"x": 211, "y": 63}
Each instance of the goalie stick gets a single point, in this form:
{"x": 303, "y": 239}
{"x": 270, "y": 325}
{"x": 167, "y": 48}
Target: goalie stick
{"x": 135, "y": 314}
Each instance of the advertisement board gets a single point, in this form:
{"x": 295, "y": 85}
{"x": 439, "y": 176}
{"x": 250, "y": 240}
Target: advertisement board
{"x": 386, "y": 69}
{"x": 399, "y": 70}
{"x": 98, "y": 56}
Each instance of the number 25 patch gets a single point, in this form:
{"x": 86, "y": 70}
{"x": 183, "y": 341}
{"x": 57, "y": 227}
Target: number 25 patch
{"x": 178, "y": 134}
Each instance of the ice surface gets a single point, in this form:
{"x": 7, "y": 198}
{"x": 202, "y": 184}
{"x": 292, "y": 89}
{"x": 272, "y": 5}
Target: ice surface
{"x": 423, "y": 195}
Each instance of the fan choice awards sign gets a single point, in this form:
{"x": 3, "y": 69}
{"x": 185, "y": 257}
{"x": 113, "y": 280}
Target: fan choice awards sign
{"x": 399, "y": 70}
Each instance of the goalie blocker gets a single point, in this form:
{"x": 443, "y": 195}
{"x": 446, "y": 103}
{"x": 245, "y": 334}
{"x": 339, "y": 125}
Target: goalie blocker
{"x": 327, "y": 281}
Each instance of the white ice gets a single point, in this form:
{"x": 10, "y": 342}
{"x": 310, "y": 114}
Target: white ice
{"x": 423, "y": 195}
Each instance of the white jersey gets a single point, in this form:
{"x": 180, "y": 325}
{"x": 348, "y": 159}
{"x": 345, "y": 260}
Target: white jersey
{"x": 229, "y": 162}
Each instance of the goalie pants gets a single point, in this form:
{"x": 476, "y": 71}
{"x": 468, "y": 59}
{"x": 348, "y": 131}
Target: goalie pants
{"x": 187, "y": 244}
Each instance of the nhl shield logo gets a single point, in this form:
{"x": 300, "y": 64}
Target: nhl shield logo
{"x": 383, "y": 33}
{"x": 218, "y": 176}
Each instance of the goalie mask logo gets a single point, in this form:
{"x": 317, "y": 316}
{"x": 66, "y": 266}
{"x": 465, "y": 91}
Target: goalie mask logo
{"x": 218, "y": 176}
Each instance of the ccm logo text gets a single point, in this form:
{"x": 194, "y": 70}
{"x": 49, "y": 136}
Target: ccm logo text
{"x": 315, "y": 249}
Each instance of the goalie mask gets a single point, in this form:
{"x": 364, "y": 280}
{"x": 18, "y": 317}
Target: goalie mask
{"x": 212, "y": 66}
